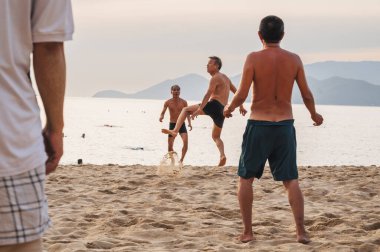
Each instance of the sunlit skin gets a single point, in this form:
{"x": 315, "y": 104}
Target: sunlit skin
{"x": 175, "y": 106}
{"x": 219, "y": 88}
{"x": 272, "y": 73}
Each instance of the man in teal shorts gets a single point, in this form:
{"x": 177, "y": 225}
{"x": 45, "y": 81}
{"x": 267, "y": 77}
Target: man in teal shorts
{"x": 270, "y": 134}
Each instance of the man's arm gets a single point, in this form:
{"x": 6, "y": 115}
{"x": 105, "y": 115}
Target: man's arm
{"x": 163, "y": 111}
{"x": 50, "y": 73}
{"x": 306, "y": 94}
{"x": 242, "y": 92}
{"x": 241, "y": 107}
{"x": 188, "y": 118}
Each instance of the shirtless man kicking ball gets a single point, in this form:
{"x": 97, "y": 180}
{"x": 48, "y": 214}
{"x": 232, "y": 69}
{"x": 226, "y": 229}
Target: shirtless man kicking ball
{"x": 212, "y": 105}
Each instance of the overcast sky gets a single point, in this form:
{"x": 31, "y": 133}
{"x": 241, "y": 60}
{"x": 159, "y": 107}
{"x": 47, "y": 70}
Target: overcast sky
{"x": 129, "y": 45}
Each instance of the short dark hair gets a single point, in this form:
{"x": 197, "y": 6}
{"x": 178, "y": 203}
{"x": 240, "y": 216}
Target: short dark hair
{"x": 217, "y": 61}
{"x": 175, "y": 86}
{"x": 272, "y": 29}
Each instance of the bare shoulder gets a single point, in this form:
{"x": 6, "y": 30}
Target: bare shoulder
{"x": 169, "y": 101}
{"x": 292, "y": 55}
{"x": 183, "y": 101}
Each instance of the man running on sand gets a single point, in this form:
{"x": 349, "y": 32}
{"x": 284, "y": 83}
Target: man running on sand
{"x": 175, "y": 106}
{"x": 270, "y": 133}
{"x": 212, "y": 105}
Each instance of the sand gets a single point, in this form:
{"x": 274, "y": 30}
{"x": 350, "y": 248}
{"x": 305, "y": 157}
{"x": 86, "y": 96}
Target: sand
{"x": 131, "y": 208}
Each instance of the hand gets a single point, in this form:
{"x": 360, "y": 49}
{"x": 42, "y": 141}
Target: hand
{"x": 227, "y": 112}
{"x": 161, "y": 118}
{"x": 54, "y": 149}
{"x": 190, "y": 127}
{"x": 196, "y": 113}
{"x": 317, "y": 118}
{"x": 242, "y": 110}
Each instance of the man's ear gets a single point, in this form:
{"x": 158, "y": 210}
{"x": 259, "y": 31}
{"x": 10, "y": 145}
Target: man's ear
{"x": 260, "y": 36}
{"x": 282, "y": 36}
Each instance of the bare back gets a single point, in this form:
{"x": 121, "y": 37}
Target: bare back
{"x": 175, "y": 107}
{"x": 222, "y": 88}
{"x": 274, "y": 73}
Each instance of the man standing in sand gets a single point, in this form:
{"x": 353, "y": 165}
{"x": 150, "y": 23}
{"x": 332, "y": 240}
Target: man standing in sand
{"x": 27, "y": 152}
{"x": 212, "y": 105}
{"x": 270, "y": 133}
{"x": 175, "y": 105}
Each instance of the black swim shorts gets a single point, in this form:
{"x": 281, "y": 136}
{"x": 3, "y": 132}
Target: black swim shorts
{"x": 181, "y": 130}
{"x": 273, "y": 141}
{"x": 214, "y": 109}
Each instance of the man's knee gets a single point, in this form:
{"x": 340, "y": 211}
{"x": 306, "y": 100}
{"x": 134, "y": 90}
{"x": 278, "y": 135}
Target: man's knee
{"x": 244, "y": 181}
{"x": 216, "y": 137}
{"x": 290, "y": 184}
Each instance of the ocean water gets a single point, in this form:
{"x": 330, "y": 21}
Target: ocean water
{"x": 127, "y": 131}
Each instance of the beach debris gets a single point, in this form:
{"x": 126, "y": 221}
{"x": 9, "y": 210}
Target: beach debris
{"x": 83, "y": 135}
{"x": 80, "y": 161}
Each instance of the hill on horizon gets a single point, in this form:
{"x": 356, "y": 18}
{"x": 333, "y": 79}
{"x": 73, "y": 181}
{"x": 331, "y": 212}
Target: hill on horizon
{"x": 328, "y": 89}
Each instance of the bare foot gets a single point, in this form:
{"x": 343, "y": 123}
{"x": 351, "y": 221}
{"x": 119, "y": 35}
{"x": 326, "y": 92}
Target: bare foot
{"x": 303, "y": 239}
{"x": 169, "y": 132}
{"x": 222, "y": 161}
{"x": 245, "y": 238}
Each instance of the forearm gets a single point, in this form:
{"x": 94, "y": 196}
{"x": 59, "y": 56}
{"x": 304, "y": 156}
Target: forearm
{"x": 310, "y": 104}
{"x": 237, "y": 101}
{"x": 50, "y": 73}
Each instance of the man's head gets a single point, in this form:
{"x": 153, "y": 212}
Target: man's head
{"x": 271, "y": 29}
{"x": 214, "y": 64}
{"x": 175, "y": 90}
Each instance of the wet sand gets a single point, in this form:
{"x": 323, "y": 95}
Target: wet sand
{"x": 131, "y": 208}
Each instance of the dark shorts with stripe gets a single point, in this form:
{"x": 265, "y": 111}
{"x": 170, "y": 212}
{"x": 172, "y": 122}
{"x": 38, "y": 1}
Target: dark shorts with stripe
{"x": 181, "y": 130}
{"x": 272, "y": 141}
{"x": 214, "y": 109}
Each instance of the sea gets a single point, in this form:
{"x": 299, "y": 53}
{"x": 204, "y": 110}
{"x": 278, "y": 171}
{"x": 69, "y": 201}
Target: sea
{"x": 128, "y": 132}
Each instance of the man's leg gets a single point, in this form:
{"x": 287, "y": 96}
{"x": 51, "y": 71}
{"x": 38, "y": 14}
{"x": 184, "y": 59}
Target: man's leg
{"x": 181, "y": 119}
{"x": 33, "y": 246}
{"x": 170, "y": 143}
{"x": 297, "y": 205}
{"x": 245, "y": 196}
{"x": 184, "y": 137}
{"x": 216, "y": 132}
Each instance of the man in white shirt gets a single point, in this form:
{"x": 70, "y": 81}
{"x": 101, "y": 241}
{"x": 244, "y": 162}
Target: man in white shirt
{"x": 38, "y": 28}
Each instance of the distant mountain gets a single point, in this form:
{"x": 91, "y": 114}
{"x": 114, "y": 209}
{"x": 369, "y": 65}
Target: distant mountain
{"x": 365, "y": 70}
{"x": 327, "y": 80}
{"x": 193, "y": 87}
{"x": 341, "y": 91}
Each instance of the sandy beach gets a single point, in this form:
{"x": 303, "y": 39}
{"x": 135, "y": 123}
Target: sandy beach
{"x": 131, "y": 208}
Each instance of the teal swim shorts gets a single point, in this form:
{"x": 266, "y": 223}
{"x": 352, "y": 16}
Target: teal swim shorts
{"x": 272, "y": 141}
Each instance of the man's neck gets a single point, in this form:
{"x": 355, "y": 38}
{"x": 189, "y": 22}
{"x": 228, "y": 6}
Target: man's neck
{"x": 213, "y": 73}
{"x": 271, "y": 45}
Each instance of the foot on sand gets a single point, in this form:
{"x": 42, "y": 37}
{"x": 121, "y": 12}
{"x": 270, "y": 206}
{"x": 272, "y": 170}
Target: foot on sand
{"x": 222, "y": 161}
{"x": 169, "y": 132}
{"x": 303, "y": 239}
{"x": 245, "y": 238}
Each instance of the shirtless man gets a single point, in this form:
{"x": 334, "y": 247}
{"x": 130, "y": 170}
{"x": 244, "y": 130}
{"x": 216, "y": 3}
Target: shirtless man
{"x": 270, "y": 133}
{"x": 175, "y": 106}
{"x": 212, "y": 105}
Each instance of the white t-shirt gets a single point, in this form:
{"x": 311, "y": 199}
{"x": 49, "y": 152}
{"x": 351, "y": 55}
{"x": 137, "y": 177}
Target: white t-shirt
{"x": 22, "y": 23}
